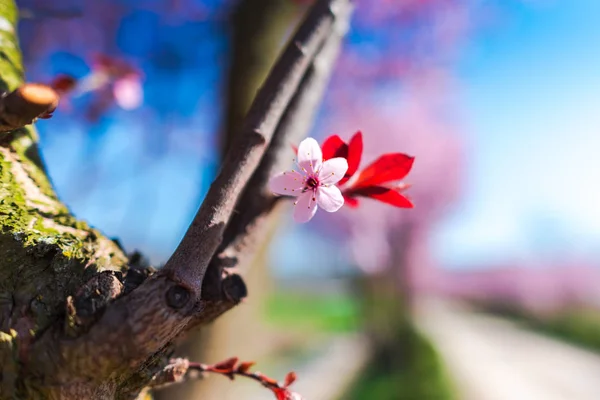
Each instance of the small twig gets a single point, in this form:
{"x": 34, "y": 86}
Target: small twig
{"x": 180, "y": 369}
{"x": 23, "y": 105}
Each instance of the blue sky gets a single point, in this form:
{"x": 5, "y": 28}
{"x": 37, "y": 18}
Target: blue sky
{"x": 532, "y": 101}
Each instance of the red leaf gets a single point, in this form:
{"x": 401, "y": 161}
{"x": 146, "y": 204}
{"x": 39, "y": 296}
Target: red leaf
{"x": 226, "y": 365}
{"x": 281, "y": 394}
{"x": 388, "y": 167}
{"x": 63, "y": 83}
{"x": 383, "y": 194}
{"x": 113, "y": 66}
{"x": 354, "y": 154}
{"x": 245, "y": 366}
{"x": 333, "y": 147}
{"x": 289, "y": 379}
{"x": 350, "y": 201}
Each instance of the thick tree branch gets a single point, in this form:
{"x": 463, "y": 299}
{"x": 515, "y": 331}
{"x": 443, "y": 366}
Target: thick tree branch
{"x": 256, "y": 200}
{"x": 47, "y": 254}
{"x": 190, "y": 260}
{"x": 223, "y": 290}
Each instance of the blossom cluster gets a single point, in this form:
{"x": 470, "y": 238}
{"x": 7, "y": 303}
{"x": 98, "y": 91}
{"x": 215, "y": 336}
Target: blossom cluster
{"x": 327, "y": 176}
{"x": 111, "y": 79}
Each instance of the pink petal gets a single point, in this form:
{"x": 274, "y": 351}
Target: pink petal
{"x": 128, "y": 92}
{"x": 305, "y": 207}
{"x": 329, "y": 198}
{"x": 333, "y": 170}
{"x": 288, "y": 183}
{"x": 310, "y": 156}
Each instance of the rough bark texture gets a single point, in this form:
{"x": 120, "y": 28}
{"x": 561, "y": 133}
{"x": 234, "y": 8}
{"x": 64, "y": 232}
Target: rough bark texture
{"x": 46, "y": 253}
{"x": 79, "y": 320}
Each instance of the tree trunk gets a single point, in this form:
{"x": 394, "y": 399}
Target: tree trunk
{"x": 46, "y": 254}
{"x": 258, "y": 32}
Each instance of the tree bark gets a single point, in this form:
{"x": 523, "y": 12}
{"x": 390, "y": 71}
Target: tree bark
{"x": 46, "y": 253}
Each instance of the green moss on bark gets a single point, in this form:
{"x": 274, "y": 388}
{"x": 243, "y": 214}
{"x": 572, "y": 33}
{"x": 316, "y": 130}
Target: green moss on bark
{"x": 46, "y": 254}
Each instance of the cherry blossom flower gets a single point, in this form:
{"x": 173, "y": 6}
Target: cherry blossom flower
{"x": 128, "y": 92}
{"x": 112, "y": 80}
{"x": 314, "y": 184}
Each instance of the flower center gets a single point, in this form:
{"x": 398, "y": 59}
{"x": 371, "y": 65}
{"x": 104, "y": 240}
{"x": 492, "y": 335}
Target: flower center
{"x": 312, "y": 182}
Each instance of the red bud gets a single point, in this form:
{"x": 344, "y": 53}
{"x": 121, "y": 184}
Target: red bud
{"x": 290, "y": 378}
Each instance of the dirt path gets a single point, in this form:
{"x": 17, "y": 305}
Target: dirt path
{"x": 493, "y": 359}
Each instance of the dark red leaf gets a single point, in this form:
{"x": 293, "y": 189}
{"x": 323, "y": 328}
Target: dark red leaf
{"x": 245, "y": 366}
{"x": 226, "y": 365}
{"x": 289, "y": 379}
{"x": 387, "y": 168}
{"x": 350, "y": 201}
{"x": 281, "y": 394}
{"x": 63, "y": 84}
{"x": 333, "y": 147}
{"x": 354, "y": 154}
{"x": 113, "y": 66}
{"x": 383, "y": 194}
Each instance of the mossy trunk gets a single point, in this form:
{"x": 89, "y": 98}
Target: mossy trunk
{"x": 46, "y": 254}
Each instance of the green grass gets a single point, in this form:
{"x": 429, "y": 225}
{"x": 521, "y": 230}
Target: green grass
{"x": 313, "y": 313}
{"x": 410, "y": 369}
{"x": 577, "y": 326}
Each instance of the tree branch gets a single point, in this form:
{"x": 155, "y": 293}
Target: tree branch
{"x": 191, "y": 258}
{"x": 181, "y": 369}
{"x": 223, "y": 290}
{"x": 23, "y": 105}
